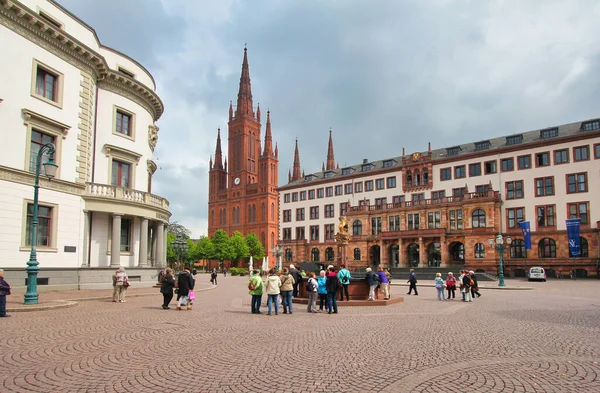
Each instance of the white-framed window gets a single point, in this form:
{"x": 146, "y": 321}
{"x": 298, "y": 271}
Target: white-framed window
{"x": 47, "y": 229}
{"x": 42, "y": 130}
{"x": 121, "y": 166}
{"x": 47, "y": 84}
{"x": 123, "y": 123}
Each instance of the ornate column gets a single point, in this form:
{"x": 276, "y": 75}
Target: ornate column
{"x": 160, "y": 241}
{"x": 444, "y": 248}
{"x": 143, "y": 254}
{"x": 154, "y": 246}
{"x": 86, "y": 239}
{"x": 163, "y": 261}
{"x": 422, "y": 252}
{"x": 400, "y": 252}
{"x": 115, "y": 248}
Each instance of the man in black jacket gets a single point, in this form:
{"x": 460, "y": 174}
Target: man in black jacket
{"x": 412, "y": 280}
{"x": 185, "y": 282}
{"x": 295, "y": 273}
{"x": 4, "y": 291}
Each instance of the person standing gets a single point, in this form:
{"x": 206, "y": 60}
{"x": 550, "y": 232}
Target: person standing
{"x": 466, "y": 287}
{"x": 122, "y": 284}
{"x": 372, "y": 281}
{"x": 474, "y": 285}
{"x": 4, "y": 292}
{"x": 322, "y": 291}
{"x": 451, "y": 285}
{"x": 412, "y": 280}
{"x": 166, "y": 288}
{"x": 383, "y": 282}
{"x": 312, "y": 286}
{"x": 115, "y": 297}
{"x": 297, "y": 279}
{"x": 389, "y": 285}
{"x": 439, "y": 285}
{"x": 287, "y": 286}
{"x": 273, "y": 289}
{"x": 344, "y": 278}
{"x": 185, "y": 282}
{"x": 213, "y": 277}
{"x": 333, "y": 287}
{"x": 255, "y": 286}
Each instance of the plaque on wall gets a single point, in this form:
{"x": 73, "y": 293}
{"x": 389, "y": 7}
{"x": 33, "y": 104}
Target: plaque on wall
{"x": 70, "y": 249}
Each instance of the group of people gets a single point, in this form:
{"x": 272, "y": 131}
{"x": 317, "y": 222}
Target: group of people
{"x": 467, "y": 283}
{"x": 183, "y": 286}
{"x": 120, "y": 283}
{"x": 378, "y": 280}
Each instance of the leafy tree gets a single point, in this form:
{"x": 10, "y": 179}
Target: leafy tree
{"x": 256, "y": 249}
{"x": 203, "y": 249}
{"x": 240, "y": 248}
{"x": 178, "y": 229}
{"x": 171, "y": 254}
{"x": 223, "y": 250}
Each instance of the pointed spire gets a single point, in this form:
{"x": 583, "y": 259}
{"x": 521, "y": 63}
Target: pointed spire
{"x": 268, "y": 150}
{"x": 258, "y": 112}
{"x": 429, "y": 147}
{"x": 218, "y": 153}
{"x": 210, "y": 163}
{"x": 296, "y": 169}
{"x": 226, "y": 165}
{"x": 289, "y": 176}
{"x": 244, "y": 100}
{"x": 330, "y": 158}
{"x": 337, "y": 166}
{"x": 230, "y": 110}
{"x": 303, "y": 175}
{"x": 276, "y": 151}
{"x": 323, "y": 167}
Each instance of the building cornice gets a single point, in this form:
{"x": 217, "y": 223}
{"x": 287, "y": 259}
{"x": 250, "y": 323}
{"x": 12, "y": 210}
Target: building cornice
{"x": 25, "y": 22}
{"x": 28, "y": 178}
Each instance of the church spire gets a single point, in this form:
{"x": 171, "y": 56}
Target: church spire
{"x": 244, "y": 100}
{"x": 330, "y": 158}
{"x": 218, "y": 153}
{"x": 268, "y": 151}
{"x": 296, "y": 169}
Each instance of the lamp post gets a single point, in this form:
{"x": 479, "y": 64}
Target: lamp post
{"x": 498, "y": 245}
{"x": 31, "y": 296}
{"x": 277, "y": 249}
{"x": 180, "y": 246}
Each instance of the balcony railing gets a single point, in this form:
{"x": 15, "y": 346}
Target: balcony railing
{"x": 106, "y": 191}
{"x": 491, "y": 194}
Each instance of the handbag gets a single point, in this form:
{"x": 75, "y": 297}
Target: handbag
{"x": 192, "y": 296}
{"x": 126, "y": 283}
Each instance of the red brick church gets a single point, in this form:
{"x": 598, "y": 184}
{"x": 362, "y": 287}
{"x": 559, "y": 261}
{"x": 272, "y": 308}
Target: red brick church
{"x": 242, "y": 192}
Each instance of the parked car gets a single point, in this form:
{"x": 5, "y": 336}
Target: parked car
{"x": 536, "y": 273}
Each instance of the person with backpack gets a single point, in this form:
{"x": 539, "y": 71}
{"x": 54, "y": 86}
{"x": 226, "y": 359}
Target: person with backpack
{"x": 333, "y": 287}
{"x": 287, "y": 285}
{"x": 344, "y": 278}
{"x": 166, "y": 288}
{"x": 322, "y": 281}
{"x": 372, "y": 281}
{"x": 312, "y": 287}
{"x": 412, "y": 280}
{"x": 273, "y": 286}
{"x": 255, "y": 286}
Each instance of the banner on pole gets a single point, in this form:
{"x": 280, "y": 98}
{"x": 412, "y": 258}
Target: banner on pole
{"x": 573, "y": 229}
{"x": 526, "y": 229}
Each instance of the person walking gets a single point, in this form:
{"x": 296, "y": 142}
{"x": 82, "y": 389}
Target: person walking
{"x": 474, "y": 285}
{"x": 287, "y": 286}
{"x": 4, "y": 292}
{"x": 344, "y": 278}
{"x": 312, "y": 286}
{"x": 333, "y": 287}
{"x": 256, "y": 286}
{"x": 297, "y": 279}
{"x": 122, "y": 283}
{"x": 451, "y": 285}
{"x": 372, "y": 281}
{"x": 166, "y": 288}
{"x": 185, "y": 282}
{"x": 273, "y": 289}
{"x": 439, "y": 285}
{"x": 466, "y": 287}
{"x": 322, "y": 291}
{"x": 115, "y": 296}
{"x": 412, "y": 280}
{"x": 213, "y": 277}
{"x": 383, "y": 282}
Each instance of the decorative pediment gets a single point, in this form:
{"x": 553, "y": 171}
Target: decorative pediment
{"x": 124, "y": 154}
{"x": 35, "y": 119}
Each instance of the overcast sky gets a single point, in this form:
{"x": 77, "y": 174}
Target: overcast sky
{"x": 387, "y": 73}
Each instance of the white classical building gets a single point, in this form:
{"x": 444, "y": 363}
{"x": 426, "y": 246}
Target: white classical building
{"x": 59, "y": 85}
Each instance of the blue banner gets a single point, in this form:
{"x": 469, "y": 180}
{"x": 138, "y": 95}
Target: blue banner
{"x": 573, "y": 227}
{"x": 526, "y": 229}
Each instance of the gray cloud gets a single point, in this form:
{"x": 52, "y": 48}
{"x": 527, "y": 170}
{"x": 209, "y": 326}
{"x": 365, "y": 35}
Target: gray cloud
{"x": 391, "y": 75}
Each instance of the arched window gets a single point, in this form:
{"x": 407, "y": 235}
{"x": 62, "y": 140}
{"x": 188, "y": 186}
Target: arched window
{"x": 315, "y": 254}
{"x": 583, "y": 246}
{"x": 329, "y": 254}
{"x": 517, "y": 248}
{"x": 263, "y": 212}
{"x": 272, "y": 239}
{"x": 425, "y": 177}
{"x": 547, "y": 248}
{"x": 417, "y": 178}
{"x": 357, "y": 228}
{"x": 357, "y": 254}
{"x": 212, "y": 218}
{"x": 479, "y": 250}
{"x": 249, "y": 214}
{"x": 272, "y": 211}
{"x": 225, "y": 217}
{"x": 478, "y": 219}
{"x": 408, "y": 179}
{"x": 262, "y": 239}
{"x": 288, "y": 255}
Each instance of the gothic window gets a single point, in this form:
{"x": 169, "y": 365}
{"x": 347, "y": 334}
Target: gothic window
{"x": 517, "y": 249}
{"x": 409, "y": 179}
{"x": 288, "y": 255}
{"x": 417, "y": 178}
{"x": 479, "y": 250}
{"x": 314, "y": 254}
{"x": 547, "y": 248}
{"x": 329, "y": 254}
{"x": 357, "y": 254}
{"x": 263, "y": 212}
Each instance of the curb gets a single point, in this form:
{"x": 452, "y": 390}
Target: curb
{"x": 480, "y": 287}
{"x": 67, "y": 303}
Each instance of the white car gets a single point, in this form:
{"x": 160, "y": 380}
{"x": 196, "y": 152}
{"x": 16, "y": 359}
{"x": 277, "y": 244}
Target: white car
{"x": 536, "y": 273}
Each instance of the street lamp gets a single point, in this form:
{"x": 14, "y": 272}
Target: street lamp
{"x": 180, "y": 247}
{"x": 498, "y": 245}
{"x": 277, "y": 250}
{"x": 31, "y": 296}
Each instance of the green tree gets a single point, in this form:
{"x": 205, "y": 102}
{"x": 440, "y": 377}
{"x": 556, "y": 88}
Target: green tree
{"x": 240, "y": 248}
{"x": 178, "y": 230}
{"x": 256, "y": 249}
{"x": 222, "y": 246}
{"x": 171, "y": 255}
{"x": 203, "y": 249}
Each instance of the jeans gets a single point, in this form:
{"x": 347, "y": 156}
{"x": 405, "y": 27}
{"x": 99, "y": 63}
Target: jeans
{"x": 441, "y": 293}
{"x": 322, "y": 300}
{"x": 273, "y": 300}
{"x": 2, "y": 305}
{"x": 286, "y": 296}
{"x": 372, "y": 291}
{"x": 342, "y": 290}
{"x": 256, "y": 300}
{"x": 331, "y": 302}
{"x": 183, "y": 301}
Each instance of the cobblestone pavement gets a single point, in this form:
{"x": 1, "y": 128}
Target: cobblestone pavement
{"x": 545, "y": 340}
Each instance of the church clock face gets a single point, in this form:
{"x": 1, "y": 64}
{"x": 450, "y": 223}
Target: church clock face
{"x": 236, "y": 181}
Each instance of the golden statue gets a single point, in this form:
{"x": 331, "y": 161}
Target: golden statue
{"x": 343, "y": 225}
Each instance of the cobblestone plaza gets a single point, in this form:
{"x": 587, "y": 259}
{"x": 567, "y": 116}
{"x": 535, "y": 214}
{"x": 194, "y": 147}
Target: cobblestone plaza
{"x": 541, "y": 340}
